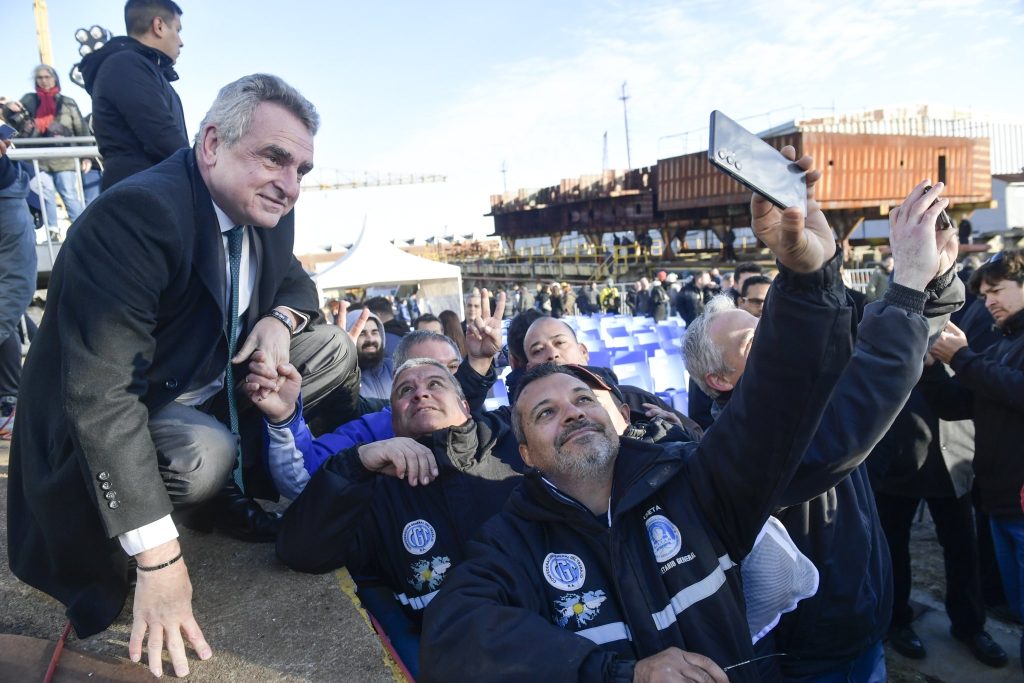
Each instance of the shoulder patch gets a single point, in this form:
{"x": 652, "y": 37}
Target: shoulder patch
{"x": 418, "y": 537}
{"x": 664, "y": 536}
{"x": 564, "y": 571}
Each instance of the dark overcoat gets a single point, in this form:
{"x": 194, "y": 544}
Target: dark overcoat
{"x": 134, "y": 317}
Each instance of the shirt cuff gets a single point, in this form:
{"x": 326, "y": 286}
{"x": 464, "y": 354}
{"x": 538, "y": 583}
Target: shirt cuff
{"x": 302, "y": 318}
{"x": 149, "y": 536}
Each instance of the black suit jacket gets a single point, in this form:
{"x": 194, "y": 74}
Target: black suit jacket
{"x": 134, "y": 316}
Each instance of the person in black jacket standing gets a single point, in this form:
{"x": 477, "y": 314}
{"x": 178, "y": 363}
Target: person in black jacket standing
{"x": 989, "y": 386}
{"x": 137, "y": 115}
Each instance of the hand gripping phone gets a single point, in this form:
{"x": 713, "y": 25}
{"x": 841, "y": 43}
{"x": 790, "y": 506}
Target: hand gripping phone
{"x": 751, "y": 161}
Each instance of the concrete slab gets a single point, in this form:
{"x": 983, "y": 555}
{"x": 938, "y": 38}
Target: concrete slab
{"x": 264, "y": 621}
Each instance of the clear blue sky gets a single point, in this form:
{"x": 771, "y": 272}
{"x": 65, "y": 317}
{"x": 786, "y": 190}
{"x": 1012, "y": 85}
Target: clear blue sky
{"x": 460, "y": 87}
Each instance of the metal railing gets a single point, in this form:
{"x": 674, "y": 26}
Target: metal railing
{"x": 40, "y": 149}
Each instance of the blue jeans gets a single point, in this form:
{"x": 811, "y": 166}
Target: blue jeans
{"x": 868, "y": 668}
{"x": 1008, "y": 540}
{"x": 66, "y": 183}
{"x": 17, "y": 255}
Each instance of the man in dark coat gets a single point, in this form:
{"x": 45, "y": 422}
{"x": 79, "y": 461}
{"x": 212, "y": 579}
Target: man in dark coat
{"x": 137, "y": 115}
{"x": 122, "y": 413}
{"x": 925, "y": 458}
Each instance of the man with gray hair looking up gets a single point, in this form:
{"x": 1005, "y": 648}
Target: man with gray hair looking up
{"x": 130, "y": 408}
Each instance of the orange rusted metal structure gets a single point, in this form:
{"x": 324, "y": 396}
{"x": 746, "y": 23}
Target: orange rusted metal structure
{"x": 865, "y": 175}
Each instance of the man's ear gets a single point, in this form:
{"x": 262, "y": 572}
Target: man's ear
{"x": 465, "y": 408}
{"x": 624, "y": 412}
{"x": 586, "y": 356}
{"x": 157, "y": 26}
{"x": 524, "y": 453}
{"x": 718, "y": 383}
{"x": 209, "y": 145}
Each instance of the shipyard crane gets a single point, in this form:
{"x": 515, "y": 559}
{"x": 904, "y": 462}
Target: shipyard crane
{"x": 333, "y": 179}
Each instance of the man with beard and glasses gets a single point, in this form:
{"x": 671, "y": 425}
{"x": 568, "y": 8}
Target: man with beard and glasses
{"x": 375, "y": 367}
{"x": 616, "y": 560}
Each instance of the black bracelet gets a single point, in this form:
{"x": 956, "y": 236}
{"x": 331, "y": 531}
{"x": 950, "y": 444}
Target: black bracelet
{"x": 168, "y": 563}
{"x": 278, "y": 315}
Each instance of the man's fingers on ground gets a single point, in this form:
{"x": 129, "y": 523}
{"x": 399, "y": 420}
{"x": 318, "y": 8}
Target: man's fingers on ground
{"x": 154, "y": 650}
{"x": 176, "y": 650}
{"x": 136, "y": 640}
{"x": 196, "y": 639}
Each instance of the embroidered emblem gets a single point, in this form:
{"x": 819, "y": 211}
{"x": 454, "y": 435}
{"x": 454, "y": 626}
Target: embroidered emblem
{"x": 583, "y": 609}
{"x": 564, "y": 571}
{"x": 665, "y": 538}
{"x": 418, "y": 537}
{"x": 429, "y": 574}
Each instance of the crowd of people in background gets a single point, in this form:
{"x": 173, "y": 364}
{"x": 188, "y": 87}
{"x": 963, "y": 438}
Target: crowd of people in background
{"x": 492, "y": 490}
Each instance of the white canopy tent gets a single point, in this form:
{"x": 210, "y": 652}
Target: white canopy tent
{"x": 374, "y": 261}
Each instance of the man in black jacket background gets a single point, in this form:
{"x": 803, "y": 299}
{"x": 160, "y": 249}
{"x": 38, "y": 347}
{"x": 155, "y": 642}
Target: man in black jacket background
{"x": 137, "y": 115}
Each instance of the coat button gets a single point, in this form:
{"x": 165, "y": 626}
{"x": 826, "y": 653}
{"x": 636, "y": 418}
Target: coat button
{"x": 103, "y": 476}
{"x": 113, "y": 505}
{"x": 106, "y": 485}
{"x": 171, "y": 384}
{"x": 110, "y": 495}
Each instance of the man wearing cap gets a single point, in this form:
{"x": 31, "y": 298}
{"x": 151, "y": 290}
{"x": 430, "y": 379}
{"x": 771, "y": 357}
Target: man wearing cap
{"x": 549, "y": 340}
{"x": 616, "y": 560}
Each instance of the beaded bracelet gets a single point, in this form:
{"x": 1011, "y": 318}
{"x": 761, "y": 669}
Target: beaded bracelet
{"x": 168, "y": 563}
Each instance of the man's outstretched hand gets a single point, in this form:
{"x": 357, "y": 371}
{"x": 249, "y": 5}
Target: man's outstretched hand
{"x": 920, "y": 251}
{"x": 801, "y": 244}
{"x": 163, "y": 608}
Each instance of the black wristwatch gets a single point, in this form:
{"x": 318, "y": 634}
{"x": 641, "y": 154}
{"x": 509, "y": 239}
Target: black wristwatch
{"x": 284, "y": 319}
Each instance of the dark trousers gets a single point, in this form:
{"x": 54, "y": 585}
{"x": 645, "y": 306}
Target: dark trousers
{"x": 10, "y": 358}
{"x": 196, "y": 450}
{"x": 954, "y": 525}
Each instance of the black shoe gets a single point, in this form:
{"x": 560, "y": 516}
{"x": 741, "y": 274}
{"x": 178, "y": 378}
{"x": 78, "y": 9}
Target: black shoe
{"x": 243, "y": 518}
{"x": 905, "y": 641}
{"x": 984, "y": 649}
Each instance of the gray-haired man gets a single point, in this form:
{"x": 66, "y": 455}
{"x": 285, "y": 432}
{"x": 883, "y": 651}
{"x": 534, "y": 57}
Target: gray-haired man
{"x": 124, "y": 414}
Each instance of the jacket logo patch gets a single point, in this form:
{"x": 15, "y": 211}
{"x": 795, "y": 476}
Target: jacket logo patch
{"x": 666, "y": 540}
{"x": 429, "y": 574}
{"x": 583, "y": 609}
{"x": 418, "y": 537}
{"x": 564, "y": 571}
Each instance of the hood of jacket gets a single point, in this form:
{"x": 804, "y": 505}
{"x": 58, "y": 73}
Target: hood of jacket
{"x": 353, "y": 316}
{"x": 91, "y": 62}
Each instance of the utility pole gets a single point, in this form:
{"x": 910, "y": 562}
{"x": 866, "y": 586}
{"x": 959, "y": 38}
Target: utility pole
{"x": 504, "y": 177}
{"x": 604, "y": 153}
{"x": 625, "y": 117}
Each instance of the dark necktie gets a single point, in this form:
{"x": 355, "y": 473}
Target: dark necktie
{"x": 235, "y": 263}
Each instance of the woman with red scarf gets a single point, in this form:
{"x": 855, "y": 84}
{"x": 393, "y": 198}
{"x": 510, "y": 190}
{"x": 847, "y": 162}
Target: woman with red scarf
{"x": 51, "y": 114}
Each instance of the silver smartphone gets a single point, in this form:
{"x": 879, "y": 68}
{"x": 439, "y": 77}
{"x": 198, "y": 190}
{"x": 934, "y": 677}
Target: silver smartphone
{"x": 751, "y": 161}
